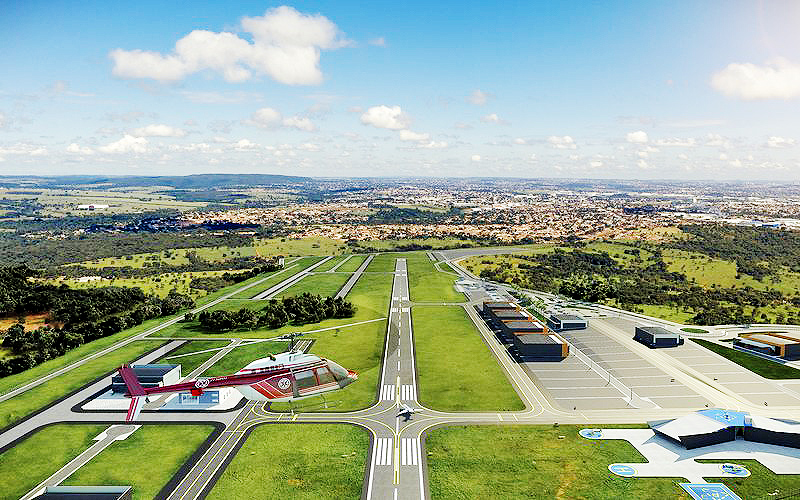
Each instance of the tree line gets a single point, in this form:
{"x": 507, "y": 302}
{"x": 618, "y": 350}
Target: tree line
{"x": 296, "y": 310}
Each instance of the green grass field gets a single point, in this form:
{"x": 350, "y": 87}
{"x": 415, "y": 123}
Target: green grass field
{"x": 275, "y": 278}
{"x": 189, "y": 363}
{"x": 25, "y": 465}
{"x": 383, "y": 263}
{"x": 330, "y": 264}
{"x": 356, "y": 348}
{"x": 523, "y": 462}
{"x": 370, "y": 296}
{"x": 762, "y": 482}
{"x": 426, "y": 283}
{"x": 239, "y": 357}
{"x": 457, "y": 372}
{"x": 761, "y": 366}
{"x": 326, "y": 285}
{"x": 147, "y": 460}
{"x": 313, "y": 461}
{"x": 19, "y": 406}
{"x": 352, "y": 264}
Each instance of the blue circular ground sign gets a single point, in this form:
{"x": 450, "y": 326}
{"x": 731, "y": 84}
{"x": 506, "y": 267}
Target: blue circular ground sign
{"x": 734, "y": 470}
{"x": 591, "y": 433}
{"x": 622, "y": 470}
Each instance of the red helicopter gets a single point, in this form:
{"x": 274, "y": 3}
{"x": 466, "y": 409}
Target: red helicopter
{"x": 284, "y": 377}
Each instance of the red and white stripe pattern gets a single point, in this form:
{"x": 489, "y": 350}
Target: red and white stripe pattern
{"x": 135, "y": 408}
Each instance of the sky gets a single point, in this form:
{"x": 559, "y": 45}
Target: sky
{"x": 624, "y": 90}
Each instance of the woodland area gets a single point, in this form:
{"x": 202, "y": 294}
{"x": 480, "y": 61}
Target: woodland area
{"x": 74, "y": 316}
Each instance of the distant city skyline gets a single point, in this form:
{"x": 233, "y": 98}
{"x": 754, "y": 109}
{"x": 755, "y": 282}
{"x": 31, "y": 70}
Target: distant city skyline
{"x": 622, "y": 90}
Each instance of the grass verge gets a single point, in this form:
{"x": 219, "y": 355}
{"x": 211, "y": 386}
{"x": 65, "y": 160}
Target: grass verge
{"x": 534, "y": 461}
{"x": 317, "y": 284}
{"x": 762, "y": 482}
{"x": 189, "y": 363}
{"x": 147, "y": 460}
{"x": 310, "y": 461}
{"x": 426, "y": 283}
{"x": 761, "y": 366}
{"x": 352, "y": 264}
{"x": 239, "y": 357}
{"x": 457, "y": 372}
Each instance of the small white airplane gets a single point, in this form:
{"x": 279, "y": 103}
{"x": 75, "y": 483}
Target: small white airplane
{"x": 406, "y": 412}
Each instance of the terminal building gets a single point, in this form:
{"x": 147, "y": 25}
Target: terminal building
{"x": 714, "y": 425}
{"x": 155, "y": 375}
{"x": 655, "y": 336}
{"x": 780, "y": 344}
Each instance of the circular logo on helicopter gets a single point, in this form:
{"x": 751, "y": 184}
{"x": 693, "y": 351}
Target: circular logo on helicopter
{"x": 284, "y": 384}
{"x": 201, "y": 383}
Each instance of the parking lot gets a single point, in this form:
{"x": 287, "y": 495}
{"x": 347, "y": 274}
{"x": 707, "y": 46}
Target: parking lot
{"x": 732, "y": 376}
{"x": 638, "y": 374}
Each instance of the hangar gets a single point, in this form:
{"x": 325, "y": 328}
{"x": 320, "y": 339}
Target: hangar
{"x": 781, "y": 344}
{"x": 715, "y": 425}
{"x": 655, "y": 336}
{"x": 566, "y": 322}
{"x": 539, "y": 347}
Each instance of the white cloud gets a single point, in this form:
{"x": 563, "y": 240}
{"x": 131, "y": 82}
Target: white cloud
{"x": 158, "y": 130}
{"x": 245, "y": 145}
{"x": 78, "y": 149}
{"x": 491, "y": 118}
{"x": 308, "y": 146}
{"x": 778, "y": 78}
{"x": 286, "y": 47}
{"x": 476, "y": 158}
{"x": 266, "y": 118}
{"x": 520, "y": 141}
{"x": 478, "y": 98}
{"x": 433, "y": 144}
{"x": 562, "y": 142}
{"x": 407, "y": 135}
{"x": 716, "y": 140}
{"x": 677, "y": 142}
{"x": 392, "y": 118}
{"x": 780, "y": 142}
{"x": 638, "y": 137}
{"x": 128, "y": 144}
{"x": 3, "y": 121}
{"x": 300, "y": 123}
{"x": 595, "y": 163}
{"x": 378, "y": 42}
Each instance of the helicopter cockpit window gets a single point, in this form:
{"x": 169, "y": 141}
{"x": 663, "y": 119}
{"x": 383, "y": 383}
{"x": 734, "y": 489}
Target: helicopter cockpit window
{"x": 338, "y": 372}
{"x": 325, "y": 376}
{"x": 305, "y": 379}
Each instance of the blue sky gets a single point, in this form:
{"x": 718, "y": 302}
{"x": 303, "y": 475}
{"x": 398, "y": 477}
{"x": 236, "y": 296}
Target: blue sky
{"x": 660, "y": 90}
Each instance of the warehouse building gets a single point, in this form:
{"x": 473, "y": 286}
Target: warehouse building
{"x": 655, "y": 336}
{"x": 560, "y": 322}
{"x": 488, "y": 307}
{"x": 715, "y": 425}
{"x": 539, "y": 347}
{"x": 783, "y": 344}
{"x": 155, "y": 375}
{"x": 510, "y": 329}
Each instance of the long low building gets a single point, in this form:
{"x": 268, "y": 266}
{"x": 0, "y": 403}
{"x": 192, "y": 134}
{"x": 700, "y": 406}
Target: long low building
{"x": 540, "y": 347}
{"x": 655, "y": 336}
{"x": 715, "y": 425}
{"x": 780, "y": 344}
{"x": 566, "y": 322}
{"x": 154, "y": 375}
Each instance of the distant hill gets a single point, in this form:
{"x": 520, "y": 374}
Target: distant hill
{"x": 198, "y": 181}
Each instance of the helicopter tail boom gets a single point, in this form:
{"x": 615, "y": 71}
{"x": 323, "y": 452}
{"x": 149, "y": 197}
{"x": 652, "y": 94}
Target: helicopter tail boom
{"x": 135, "y": 390}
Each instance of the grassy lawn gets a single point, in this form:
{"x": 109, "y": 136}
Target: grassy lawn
{"x": 330, "y": 264}
{"x": 189, "y": 363}
{"x": 426, "y": 283}
{"x": 299, "y": 265}
{"x": 761, "y": 483}
{"x": 318, "y": 284}
{"x": 457, "y": 372}
{"x": 370, "y": 296}
{"x": 693, "y": 330}
{"x": 147, "y": 460}
{"x": 25, "y": 465}
{"x": 356, "y": 348}
{"x": 383, "y": 263}
{"x": 436, "y": 243}
{"x": 309, "y": 461}
{"x": 761, "y": 366}
{"x": 19, "y": 406}
{"x": 534, "y": 462}
{"x": 241, "y": 356}
{"x": 352, "y": 264}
